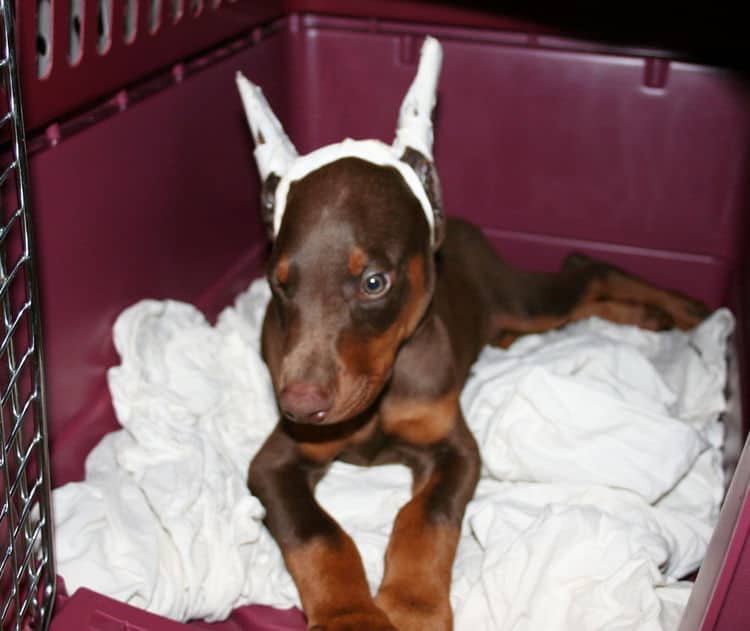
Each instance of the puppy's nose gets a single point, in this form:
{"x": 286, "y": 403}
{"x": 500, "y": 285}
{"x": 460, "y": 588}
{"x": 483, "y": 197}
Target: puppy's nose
{"x": 305, "y": 402}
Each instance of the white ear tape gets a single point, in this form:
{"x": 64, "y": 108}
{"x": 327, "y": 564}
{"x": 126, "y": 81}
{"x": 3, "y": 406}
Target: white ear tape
{"x": 415, "y": 118}
{"x": 275, "y": 153}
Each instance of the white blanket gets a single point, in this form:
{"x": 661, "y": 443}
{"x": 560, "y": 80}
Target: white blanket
{"x": 602, "y": 475}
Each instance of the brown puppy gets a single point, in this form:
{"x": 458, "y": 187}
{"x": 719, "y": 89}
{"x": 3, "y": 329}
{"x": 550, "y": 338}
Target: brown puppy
{"x": 369, "y": 337}
{"x": 379, "y": 308}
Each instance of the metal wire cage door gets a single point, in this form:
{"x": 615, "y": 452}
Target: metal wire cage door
{"x": 27, "y": 574}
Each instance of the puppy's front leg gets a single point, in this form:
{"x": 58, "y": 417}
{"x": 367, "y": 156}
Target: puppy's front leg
{"x": 319, "y": 555}
{"x": 415, "y": 592}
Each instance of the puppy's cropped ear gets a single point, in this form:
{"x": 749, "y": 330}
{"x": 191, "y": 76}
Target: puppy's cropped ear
{"x": 427, "y": 174}
{"x": 414, "y": 133}
{"x": 274, "y": 152}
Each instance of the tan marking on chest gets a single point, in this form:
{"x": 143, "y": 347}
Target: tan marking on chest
{"x": 327, "y": 451}
{"x": 421, "y": 421}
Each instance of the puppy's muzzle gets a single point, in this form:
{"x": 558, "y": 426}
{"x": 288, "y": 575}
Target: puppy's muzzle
{"x": 305, "y": 403}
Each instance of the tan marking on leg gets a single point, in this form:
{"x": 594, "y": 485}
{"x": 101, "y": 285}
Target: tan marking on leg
{"x": 415, "y": 592}
{"x": 420, "y": 422}
{"x": 521, "y": 325}
{"x": 505, "y": 338}
{"x": 645, "y": 316}
{"x": 642, "y": 315}
{"x": 685, "y": 311}
{"x": 331, "y": 582}
{"x": 618, "y": 298}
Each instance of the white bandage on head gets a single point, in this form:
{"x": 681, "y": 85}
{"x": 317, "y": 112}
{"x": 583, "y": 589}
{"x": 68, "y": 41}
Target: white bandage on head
{"x": 370, "y": 150}
{"x": 275, "y": 154}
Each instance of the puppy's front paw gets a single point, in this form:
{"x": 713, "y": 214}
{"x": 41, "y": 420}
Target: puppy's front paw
{"x": 355, "y": 621}
{"x": 414, "y": 611}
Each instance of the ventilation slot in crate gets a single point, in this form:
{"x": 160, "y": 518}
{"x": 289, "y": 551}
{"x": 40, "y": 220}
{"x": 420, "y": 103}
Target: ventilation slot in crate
{"x": 78, "y": 52}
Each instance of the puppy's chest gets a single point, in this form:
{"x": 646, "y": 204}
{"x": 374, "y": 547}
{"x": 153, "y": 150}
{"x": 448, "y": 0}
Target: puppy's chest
{"x": 377, "y": 448}
{"x": 399, "y": 430}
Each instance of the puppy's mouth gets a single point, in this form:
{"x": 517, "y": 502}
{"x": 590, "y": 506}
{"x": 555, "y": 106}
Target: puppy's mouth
{"x": 357, "y": 398}
{"x": 350, "y": 397}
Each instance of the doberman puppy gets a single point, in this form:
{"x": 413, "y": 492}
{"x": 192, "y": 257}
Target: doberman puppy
{"x": 369, "y": 336}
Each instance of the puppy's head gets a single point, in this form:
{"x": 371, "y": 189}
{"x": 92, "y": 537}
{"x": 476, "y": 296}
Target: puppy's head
{"x": 351, "y": 273}
{"x": 355, "y": 226}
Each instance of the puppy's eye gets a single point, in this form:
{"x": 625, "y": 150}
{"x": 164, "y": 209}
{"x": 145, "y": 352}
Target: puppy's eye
{"x": 375, "y": 285}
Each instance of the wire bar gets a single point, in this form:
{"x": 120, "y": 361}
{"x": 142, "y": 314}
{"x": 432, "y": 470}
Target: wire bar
{"x": 27, "y": 568}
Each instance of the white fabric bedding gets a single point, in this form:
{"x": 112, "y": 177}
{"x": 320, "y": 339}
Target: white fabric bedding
{"x": 601, "y": 481}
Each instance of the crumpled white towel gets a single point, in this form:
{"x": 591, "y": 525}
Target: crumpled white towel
{"x": 580, "y": 396}
{"x": 602, "y": 481}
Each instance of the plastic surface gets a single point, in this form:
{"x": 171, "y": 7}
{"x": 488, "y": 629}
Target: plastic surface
{"x": 548, "y": 143}
{"x": 168, "y": 207}
{"x": 94, "y": 612}
{"x": 102, "y": 54}
{"x": 576, "y": 147}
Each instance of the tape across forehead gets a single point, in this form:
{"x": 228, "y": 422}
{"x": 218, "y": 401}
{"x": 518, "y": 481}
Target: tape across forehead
{"x": 373, "y": 151}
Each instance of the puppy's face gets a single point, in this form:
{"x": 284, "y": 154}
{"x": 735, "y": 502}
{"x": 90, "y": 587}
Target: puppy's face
{"x": 352, "y": 274}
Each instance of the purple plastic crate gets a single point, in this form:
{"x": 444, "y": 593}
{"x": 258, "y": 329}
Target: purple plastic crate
{"x": 549, "y": 143}
{"x": 73, "y": 54}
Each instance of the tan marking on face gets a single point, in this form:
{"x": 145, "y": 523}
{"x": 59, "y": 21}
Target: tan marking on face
{"x": 282, "y": 270}
{"x": 357, "y": 261}
{"x": 331, "y": 581}
{"x": 381, "y": 351}
{"x": 420, "y": 422}
{"x": 365, "y": 364}
{"x": 415, "y": 592}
